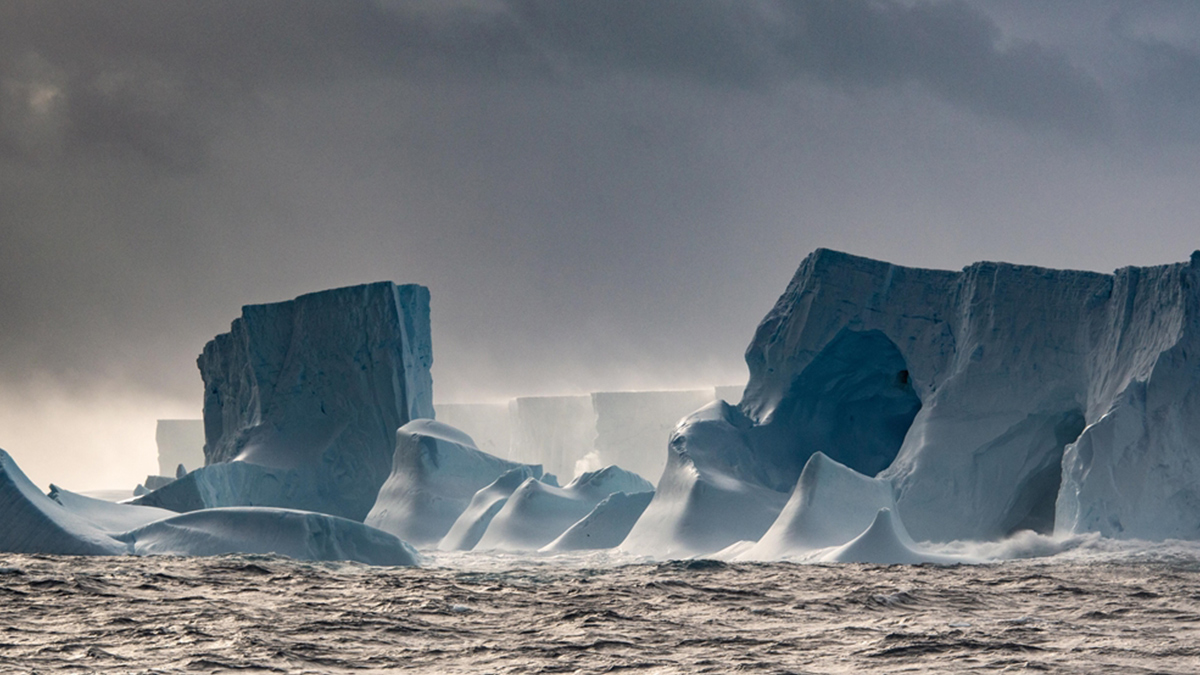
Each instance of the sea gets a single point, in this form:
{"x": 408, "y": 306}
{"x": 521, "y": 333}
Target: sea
{"x": 1101, "y": 607}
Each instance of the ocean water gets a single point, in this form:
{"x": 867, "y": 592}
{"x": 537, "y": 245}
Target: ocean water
{"x": 1102, "y": 608}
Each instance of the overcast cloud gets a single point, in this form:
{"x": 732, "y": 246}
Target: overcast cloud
{"x": 600, "y": 195}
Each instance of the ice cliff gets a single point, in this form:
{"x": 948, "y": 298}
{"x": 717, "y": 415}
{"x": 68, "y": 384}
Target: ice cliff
{"x": 309, "y": 393}
{"x": 999, "y": 398}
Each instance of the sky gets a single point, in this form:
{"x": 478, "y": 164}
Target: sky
{"x": 599, "y": 195}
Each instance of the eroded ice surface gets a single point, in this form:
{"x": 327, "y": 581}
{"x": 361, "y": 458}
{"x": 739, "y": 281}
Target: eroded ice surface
{"x": 313, "y": 390}
{"x": 436, "y": 472}
{"x": 470, "y": 525}
{"x": 831, "y": 505}
{"x": 537, "y": 513}
{"x": 997, "y": 399}
{"x": 606, "y": 526}
{"x": 32, "y": 522}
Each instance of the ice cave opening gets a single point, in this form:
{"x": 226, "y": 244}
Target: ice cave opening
{"x": 854, "y": 402}
{"x": 1048, "y": 437}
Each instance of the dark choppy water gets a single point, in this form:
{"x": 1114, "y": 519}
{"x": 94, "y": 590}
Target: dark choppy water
{"x": 1126, "y": 614}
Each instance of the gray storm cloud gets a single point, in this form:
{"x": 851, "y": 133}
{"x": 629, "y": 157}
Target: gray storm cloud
{"x": 599, "y": 194}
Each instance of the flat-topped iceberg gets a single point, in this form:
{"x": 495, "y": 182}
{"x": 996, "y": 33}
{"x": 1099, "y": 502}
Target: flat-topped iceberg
{"x": 311, "y": 390}
{"x": 996, "y": 399}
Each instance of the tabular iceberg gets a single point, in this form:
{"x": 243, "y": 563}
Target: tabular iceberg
{"x": 999, "y": 398}
{"x": 311, "y": 391}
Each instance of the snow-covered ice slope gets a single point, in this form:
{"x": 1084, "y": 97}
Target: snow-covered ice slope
{"x": 303, "y": 535}
{"x": 606, "y": 526}
{"x": 537, "y": 513}
{"x": 1008, "y": 365}
{"x": 435, "y": 473}
{"x": 831, "y": 505}
{"x": 885, "y": 542}
{"x": 714, "y": 490}
{"x": 31, "y": 522}
{"x": 470, "y": 525}
{"x": 314, "y": 390}
{"x": 108, "y": 516}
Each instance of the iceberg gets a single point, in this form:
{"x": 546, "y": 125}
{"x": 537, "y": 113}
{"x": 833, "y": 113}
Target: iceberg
{"x": 713, "y": 492}
{"x": 66, "y": 523}
{"x": 311, "y": 391}
{"x": 302, "y": 535}
{"x": 553, "y": 431}
{"x": 996, "y": 399}
{"x": 436, "y": 472}
{"x": 885, "y": 542}
{"x": 107, "y": 516}
{"x": 1012, "y": 365}
{"x": 831, "y": 505}
{"x": 470, "y": 525}
{"x": 606, "y": 526}
{"x": 536, "y": 513}
{"x": 34, "y": 523}
{"x": 179, "y": 442}
{"x": 632, "y": 426}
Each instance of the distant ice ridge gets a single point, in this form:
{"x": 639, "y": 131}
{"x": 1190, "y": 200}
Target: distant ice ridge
{"x": 66, "y": 523}
{"x": 571, "y": 435}
{"x": 179, "y": 442}
{"x": 993, "y": 400}
{"x": 306, "y": 397}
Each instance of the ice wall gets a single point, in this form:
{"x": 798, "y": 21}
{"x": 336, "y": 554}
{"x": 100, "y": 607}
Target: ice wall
{"x": 1010, "y": 365}
{"x": 488, "y": 424}
{"x": 554, "y": 431}
{"x": 633, "y": 426}
{"x": 179, "y": 442}
{"x": 313, "y": 390}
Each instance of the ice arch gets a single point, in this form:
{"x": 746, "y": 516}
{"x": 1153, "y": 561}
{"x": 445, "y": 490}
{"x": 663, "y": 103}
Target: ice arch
{"x": 854, "y": 402}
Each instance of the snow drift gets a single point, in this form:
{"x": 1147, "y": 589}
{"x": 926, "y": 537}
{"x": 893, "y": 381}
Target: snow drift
{"x": 606, "y": 526}
{"x": 831, "y": 505}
